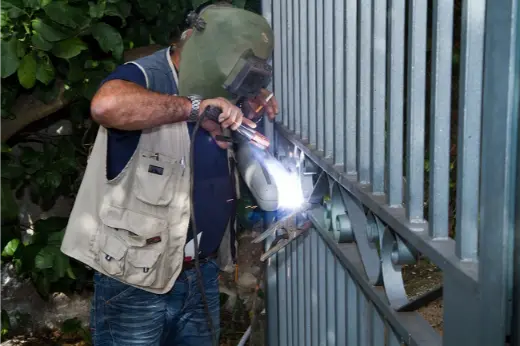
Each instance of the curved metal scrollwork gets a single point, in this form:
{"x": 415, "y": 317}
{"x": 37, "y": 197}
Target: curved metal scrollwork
{"x": 382, "y": 251}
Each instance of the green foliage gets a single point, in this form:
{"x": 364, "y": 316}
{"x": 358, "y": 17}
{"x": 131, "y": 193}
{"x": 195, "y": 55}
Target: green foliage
{"x": 6, "y": 324}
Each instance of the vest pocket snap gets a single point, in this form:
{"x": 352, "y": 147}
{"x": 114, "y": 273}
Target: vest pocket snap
{"x": 141, "y": 265}
{"x": 155, "y": 180}
{"x": 112, "y": 253}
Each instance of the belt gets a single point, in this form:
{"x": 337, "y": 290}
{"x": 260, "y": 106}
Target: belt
{"x": 190, "y": 264}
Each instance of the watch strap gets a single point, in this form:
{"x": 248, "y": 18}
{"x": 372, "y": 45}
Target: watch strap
{"x": 195, "y": 107}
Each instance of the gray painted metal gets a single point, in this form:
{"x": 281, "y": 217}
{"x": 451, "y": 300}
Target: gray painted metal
{"x": 350, "y": 82}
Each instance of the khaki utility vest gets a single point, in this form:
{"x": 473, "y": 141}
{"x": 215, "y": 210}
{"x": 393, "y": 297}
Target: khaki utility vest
{"x": 133, "y": 228}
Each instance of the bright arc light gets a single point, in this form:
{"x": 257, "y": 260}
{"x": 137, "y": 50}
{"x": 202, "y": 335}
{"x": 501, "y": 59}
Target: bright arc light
{"x": 290, "y": 193}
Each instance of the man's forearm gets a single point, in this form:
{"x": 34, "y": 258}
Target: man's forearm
{"x": 128, "y": 106}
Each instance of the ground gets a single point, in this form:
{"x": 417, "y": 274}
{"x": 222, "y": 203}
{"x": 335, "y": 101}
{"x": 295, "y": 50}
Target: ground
{"x": 420, "y": 278}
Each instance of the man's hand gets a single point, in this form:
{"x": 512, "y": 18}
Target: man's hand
{"x": 231, "y": 117}
{"x": 270, "y": 107}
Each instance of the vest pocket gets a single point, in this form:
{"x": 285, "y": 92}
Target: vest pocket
{"x": 131, "y": 246}
{"x": 155, "y": 179}
{"x": 112, "y": 251}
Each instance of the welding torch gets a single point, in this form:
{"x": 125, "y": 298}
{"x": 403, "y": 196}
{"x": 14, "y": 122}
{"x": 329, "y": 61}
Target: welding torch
{"x": 253, "y": 136}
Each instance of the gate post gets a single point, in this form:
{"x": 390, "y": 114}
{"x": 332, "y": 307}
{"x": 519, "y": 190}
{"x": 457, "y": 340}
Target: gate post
{"x": 499, "y": 155}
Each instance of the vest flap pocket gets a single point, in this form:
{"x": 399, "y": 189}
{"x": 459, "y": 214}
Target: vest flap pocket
{"x": 155, "y": 179}
{"x": 143, "y": 258}
{"x": 113, "y": 251}
{"x": 137, "y": 225}
{"x": 141, "y": 266}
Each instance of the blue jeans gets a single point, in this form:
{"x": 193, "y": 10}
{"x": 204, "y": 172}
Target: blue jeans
{"x": 123, "y": 315}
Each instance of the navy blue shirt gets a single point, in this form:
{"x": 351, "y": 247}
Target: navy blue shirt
{"x": 213, "y": 192}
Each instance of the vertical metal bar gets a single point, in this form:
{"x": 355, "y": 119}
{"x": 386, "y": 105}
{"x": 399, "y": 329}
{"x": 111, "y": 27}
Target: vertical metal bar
{"x": 320, "y": 92}
{"x": 352, "y": 319}
{"x": 277, "y": 61}
{"x": 470, "y": 114}
{"x": 328, "y": 77}
{"x": 314, "y": 289}
{"x": 294, "y": 292}
{"x": 378, "y": 61}
{"x": 500, "y": 130}
{"x": 396, "y": 106}
{"x": 365, "y": 91}
{"x": 296, "y": 68}
{"x": 289, "y": 295}
{"x": 416, "y": 110}
{"x": 300, "y": 297}
{"x": 313, "y": 110}
{"x": 307, "y": 288}
{"x": 267, "y": 12}
{"x": 272, "y": 297}
{"x": 341, "y": 304}
{"x": 322, "y": 291}
{"x": 338, "y": 75}
{"x": 304, "y": 71}
{"x": 378, "y": 328}
{"x": 331, "y": 297}
{"x": 282, "y": 297}
{"x": 351, "y": 37}
{"x": 284, "y": 62}
{"x": 363, "y": 319}
{"x": 440, "y": 119}
{"x": 290, "y": 62}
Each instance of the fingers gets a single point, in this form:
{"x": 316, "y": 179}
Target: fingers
{"x": 248, "y": 122}
{"x": 231, "y": 117}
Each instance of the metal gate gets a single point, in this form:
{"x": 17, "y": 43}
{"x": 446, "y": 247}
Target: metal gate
{"x": 368, "y": 112}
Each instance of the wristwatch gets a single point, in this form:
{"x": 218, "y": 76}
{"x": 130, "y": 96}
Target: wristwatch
{"x": 195, "y": 107}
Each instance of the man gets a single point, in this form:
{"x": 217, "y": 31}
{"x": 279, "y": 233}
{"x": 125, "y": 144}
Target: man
{"x": 131, "y": 216}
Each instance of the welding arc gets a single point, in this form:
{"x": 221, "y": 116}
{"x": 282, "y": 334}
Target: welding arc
{"x": 305, "y": 207}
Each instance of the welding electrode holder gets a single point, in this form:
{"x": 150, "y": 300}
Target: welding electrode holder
{"x": 246, "y": 132}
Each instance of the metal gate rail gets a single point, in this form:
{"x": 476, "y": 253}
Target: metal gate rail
{"x": 356, "y": 89}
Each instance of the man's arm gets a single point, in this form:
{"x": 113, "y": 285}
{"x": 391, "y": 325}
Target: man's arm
{"x": 127, "y": 106}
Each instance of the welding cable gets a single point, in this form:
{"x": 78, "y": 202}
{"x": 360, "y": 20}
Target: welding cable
{"x": 194, "y": 230}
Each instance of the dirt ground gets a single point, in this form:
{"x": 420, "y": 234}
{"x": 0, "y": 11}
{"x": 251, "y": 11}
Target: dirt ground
{"x": 420, "y": 278}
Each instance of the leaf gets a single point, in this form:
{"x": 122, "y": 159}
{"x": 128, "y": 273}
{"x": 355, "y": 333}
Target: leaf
{"x": 109, "y": 39}
{"x": 70, "y": 273}
{"x": 32, "y": 4}
{"x": 61, "y": 264}
{"x": 45, "y": 258}
{"x": 12, "y": 171}
{"x": 9, "y": 206}
{"x": 6, "y": 148}
{"x": 50, "y": 225}
{"x": 64, "y": 14}
{"x": 49, "y": 31}
{"x": 45, "y": 71}
{"x": 72, "y": 325}
{"x": 56, "y": 238}
{"x": 6, "y": 323}
{"x": 27, "y": 71}
{"x": 69, "y": 48}
{"x": 121, "y": 10}
{"x": 14, "y": 8}
{"x": 10, "y": 61}
{"x": 197, "y": 3}
{"x": 239, "y": 3}
{"x": 96, "y": 10}
{"x": 40, "y": 43}
{"x": 11, "y": 247}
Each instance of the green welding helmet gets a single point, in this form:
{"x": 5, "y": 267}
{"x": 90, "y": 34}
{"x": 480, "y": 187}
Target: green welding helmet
{"x": 226, "y": 55}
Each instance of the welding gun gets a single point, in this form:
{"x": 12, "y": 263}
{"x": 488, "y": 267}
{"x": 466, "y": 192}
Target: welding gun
{"x": 249, "y": 134}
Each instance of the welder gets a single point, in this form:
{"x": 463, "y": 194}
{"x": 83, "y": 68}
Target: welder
{"x": 134, "y": 214}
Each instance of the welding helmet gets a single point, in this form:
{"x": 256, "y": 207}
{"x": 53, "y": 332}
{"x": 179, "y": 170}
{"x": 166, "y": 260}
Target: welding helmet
{"x": 226, "y": 55}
